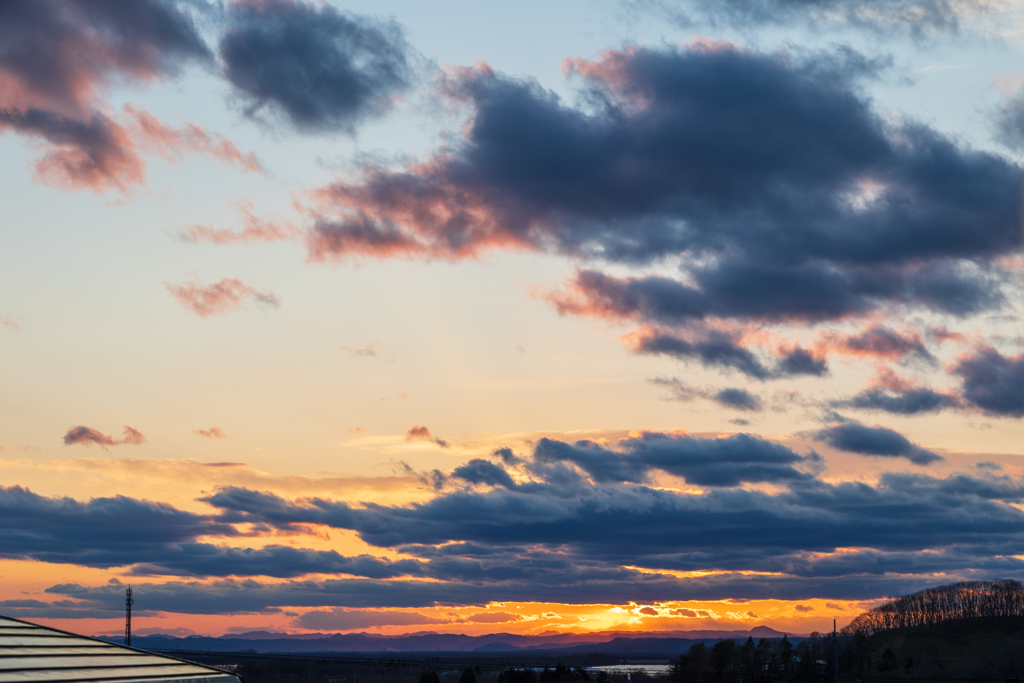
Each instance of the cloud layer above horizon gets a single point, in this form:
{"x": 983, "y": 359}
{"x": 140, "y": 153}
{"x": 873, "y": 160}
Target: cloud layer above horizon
{"x": 789, "y": 254}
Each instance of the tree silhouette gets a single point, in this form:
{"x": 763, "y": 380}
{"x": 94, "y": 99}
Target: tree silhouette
{"x": 514, "y": 675}
{"x": 680, "y": 669}
{"x": 963, "y": 600}
{"x": 721, "y": 656}
{"x": 697, "y": 656}
{"x": 887, "y": 661}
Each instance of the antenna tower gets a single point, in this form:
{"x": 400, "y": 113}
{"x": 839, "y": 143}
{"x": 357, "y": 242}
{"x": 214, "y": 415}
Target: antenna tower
{"x": 835, "y": 649}
{"x": 128, "y": 602}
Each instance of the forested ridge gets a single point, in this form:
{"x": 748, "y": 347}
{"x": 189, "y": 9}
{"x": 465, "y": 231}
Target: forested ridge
{"x": 966, "y": 630}
{"x": 955, "y": 601}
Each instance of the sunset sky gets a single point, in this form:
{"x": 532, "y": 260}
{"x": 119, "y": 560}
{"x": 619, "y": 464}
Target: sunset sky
{"x": 471, "y": 317}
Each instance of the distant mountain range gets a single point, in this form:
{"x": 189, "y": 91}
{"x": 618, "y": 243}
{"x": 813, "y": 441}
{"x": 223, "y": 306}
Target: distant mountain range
{"x": 610, "y": 642}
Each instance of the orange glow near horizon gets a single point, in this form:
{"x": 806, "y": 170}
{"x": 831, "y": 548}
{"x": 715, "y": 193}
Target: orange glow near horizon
{"x": 792, "y": 617}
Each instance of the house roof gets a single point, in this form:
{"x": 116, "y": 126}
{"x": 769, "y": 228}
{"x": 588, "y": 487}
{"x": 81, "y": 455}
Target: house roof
{"x": 30, "y": 653}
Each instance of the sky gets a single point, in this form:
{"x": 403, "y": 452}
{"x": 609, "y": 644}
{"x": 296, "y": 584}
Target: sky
{"x": 473, "y": 317}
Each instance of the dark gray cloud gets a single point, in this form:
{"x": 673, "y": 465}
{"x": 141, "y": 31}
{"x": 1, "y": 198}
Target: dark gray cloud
{"x": 61, "y": 50}
{"x": 59, "y": 609}
{"x": 724, "y": 350}
{"x": 56, "y": 56}
{"x": 770, "y": 180}
{"x": 992, "y": 382}
{"x": 740, "y": 399}
{"x": 155, "y": 538}
{"x": 556, "y": 533}
{"x": 800, "y": 361}
{"x": 880, "y": 341}
{"x": 730, "y": 397}
{"x": 694, "y": 151}
{"x": 728, "y": 290}
{"x": 122, "y": 530}
{"x": 599, "y": 527}
{"x": 552, "y": 536}
{"x": 252, "y": 597}
{"x": 728, "y": 461}
{"x": 911, "y": 400}
{"x": 1010, "y": 123}
{"x": 862, "y": 574}
{"x": 206, "y": 559}
{"x": 316, "y": 67}
{"x": 716, "y": 349}
{"x": 989, "y": 381}
{"x": 479, "y": 471}
{"x": 87, "y": 152}
{"x": 854, "y": 437}
{"x": 807, "y": 292}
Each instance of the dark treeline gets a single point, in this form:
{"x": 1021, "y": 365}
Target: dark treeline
{"x": 310, "y": 670}
{"x": 560, "y": 674}
{"x": 764, "y": 659}
{"x": 963, "y": 600}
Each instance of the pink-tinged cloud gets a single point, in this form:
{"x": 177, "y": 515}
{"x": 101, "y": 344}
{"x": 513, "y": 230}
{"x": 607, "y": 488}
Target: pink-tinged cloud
{"x": 91, "y": 437}
{"x": 255, "y": 229}
{"x": 99, "y": 152}
{"x": 878, "y": 341}
{"x": 62, "y": 55}
{"x": 420, "y": 432}
{"x": 596, "y": 295}
{"x": 615, "y": 70}
{"x": 1009, "y": 83}
{"x": 57, "y": 62}
{"x": 690, "y": 157}
{"x": 157, "y": 137}
{"x": 942, "y": 334}
{"x": 9, "y": 324}
{"x": 93, "y": 153}
{"x": 422, "y": 213}
{"x": 886, "y": 378}
{"x": 211, "y": 433}
{"x": 218, "y": 298}
{"x": 888, "y": 392}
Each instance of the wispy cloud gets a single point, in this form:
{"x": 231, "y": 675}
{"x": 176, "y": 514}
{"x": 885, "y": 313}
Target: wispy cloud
{"x": 88, "y": 436}
{"x": 155, "y": 136}
{"x": 367, "y": 349}
{"x": 255, "y": 229}
{"x": 220, "y": 297}
{"x": 419, "y": 432}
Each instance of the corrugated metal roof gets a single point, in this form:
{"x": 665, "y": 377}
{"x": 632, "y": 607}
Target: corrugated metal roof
{"x": 30, "y": 653}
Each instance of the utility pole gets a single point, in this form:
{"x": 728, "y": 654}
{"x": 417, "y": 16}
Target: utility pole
{"x": 835, "y": 650}
{"x": 128, "y": 602}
